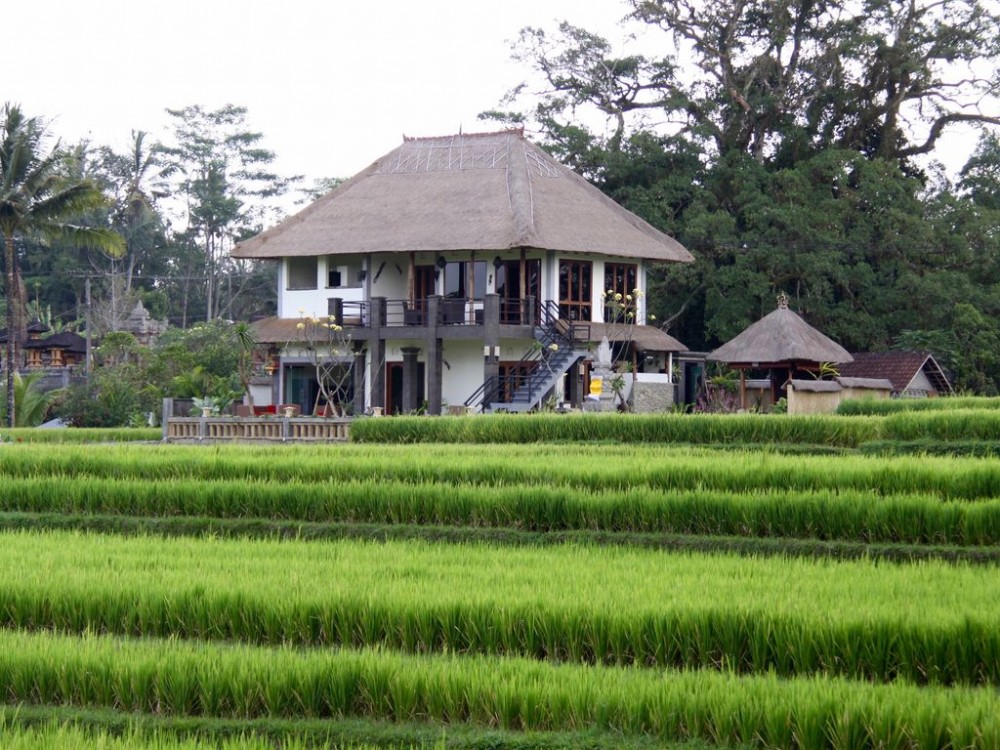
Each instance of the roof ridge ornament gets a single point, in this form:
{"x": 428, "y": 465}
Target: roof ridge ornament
{"x": 782, "y": 301}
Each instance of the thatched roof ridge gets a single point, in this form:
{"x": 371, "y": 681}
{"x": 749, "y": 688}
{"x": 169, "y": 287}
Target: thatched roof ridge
{"x": 779, "y": 337}
{"x": 878, "y": 384}
{"x": 485, "y": 191}
{"x": 816, "y": 386}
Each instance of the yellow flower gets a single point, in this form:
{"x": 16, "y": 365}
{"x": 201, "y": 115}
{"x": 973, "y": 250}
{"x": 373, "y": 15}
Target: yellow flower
{"x": 300, "y": 326}
{"x": 652, "y": 317}
{"x": 618, "y": 297}
{"x": 628, "y": 297}
{"x": 554, "y": 347}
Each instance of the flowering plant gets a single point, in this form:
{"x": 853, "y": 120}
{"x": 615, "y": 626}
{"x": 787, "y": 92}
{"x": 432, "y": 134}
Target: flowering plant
{"x": 328, "y": 347}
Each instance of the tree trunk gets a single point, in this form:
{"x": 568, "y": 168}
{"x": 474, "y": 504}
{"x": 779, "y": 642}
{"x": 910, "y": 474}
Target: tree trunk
{"x": 12, "y": 325}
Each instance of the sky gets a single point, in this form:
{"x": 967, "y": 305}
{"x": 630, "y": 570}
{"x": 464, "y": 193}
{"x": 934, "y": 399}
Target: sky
{"x": 331, "y": 85}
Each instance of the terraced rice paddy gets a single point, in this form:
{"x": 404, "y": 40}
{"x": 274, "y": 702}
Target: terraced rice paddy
{"x": 257, "y": 638}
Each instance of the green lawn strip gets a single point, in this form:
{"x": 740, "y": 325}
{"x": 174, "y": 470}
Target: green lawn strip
{"x": 250, "y": 528}
{"x": 339, "y": 733}
{"x": 239, "y": 682}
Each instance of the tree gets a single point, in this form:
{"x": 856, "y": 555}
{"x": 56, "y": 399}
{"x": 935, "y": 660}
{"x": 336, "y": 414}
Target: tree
{"x": 779, "y": 80}
{"x": 130, "y": 178}
{"x": 38, "y": 199}
{"x": 222, "y": 172}
{"x": 32, "y": 404}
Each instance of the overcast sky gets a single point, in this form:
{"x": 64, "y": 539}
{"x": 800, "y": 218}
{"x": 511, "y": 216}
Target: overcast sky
{"x": 332, "y": 85}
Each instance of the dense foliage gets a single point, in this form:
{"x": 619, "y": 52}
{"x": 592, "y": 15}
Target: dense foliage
{"x": 793, "y": 152}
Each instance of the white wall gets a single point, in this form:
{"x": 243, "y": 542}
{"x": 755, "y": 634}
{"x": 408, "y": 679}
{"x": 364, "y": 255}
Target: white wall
{"x": 314, "y": 302}
{"x": 467, "y": 367}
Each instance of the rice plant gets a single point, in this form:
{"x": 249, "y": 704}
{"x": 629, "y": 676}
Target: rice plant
{"x": 721, "y": 707}
{"x": 926, "y": 622}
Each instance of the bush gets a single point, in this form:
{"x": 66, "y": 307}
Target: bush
{"x": 111, "y": 399}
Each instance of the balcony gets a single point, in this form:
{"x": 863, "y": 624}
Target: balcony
{"x": 442, "y": 314}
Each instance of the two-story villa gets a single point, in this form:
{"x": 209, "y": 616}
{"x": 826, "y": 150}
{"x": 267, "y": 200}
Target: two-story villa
{"x": 468, "y": 269}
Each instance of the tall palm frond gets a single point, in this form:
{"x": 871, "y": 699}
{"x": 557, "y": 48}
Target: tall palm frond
{"x": 38, "y": 199}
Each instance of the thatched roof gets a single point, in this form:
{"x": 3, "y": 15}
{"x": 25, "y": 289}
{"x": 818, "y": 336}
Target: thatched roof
{"x": 876, "y": 384}
{"x": 780, "y": 337}
{"x": 816, "y": 386}
{"x": 644, "y": 338}
{"x": 487, "y": 191}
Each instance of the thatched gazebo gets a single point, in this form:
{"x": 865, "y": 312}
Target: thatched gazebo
{"x": 783, "y": 343}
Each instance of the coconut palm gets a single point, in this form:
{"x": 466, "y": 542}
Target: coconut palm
{"x": 39, "y": 199}
{"x": 32, "y": 404}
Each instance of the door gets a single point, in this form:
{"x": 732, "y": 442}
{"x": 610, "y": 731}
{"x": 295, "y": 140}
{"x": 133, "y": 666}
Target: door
{"x": 508, "y": 287}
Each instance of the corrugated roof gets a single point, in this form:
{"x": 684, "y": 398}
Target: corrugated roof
{"x": 487, "y": 191}
{"x": 899, "y": 368}
{"x": 780, "y": 336}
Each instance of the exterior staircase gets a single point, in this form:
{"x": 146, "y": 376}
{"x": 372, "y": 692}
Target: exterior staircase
{"x": 555, "y": 350}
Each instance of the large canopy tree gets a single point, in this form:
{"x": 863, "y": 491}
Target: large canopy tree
{"x": 780, "y": 141}
{"x": 781, "y": 79}
{"x": 38, "y": 200}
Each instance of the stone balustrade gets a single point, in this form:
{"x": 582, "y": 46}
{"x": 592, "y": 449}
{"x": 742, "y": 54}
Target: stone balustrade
{"x": 249, "y": 429}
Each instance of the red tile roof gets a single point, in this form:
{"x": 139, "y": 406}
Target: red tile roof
{"x": 897, "y": 367}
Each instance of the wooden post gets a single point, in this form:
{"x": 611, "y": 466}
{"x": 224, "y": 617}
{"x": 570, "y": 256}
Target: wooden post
{"x": 524, "y": 276}
{"x": 743, "y": 388}
{"x": 470, "y": 285}
{"x": 411, "y": 279}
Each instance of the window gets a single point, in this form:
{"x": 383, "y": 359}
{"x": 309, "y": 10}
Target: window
{"x": 302, "y": 273}
{"x": 575, "y": 292}
{"x": 456, "y": 280}
{"x": 620, "y": 278}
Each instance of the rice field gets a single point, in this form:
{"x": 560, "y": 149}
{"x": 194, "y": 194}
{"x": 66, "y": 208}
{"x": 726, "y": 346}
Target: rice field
{"x": 600, "y": 645}
{"x": 570, "y": 603}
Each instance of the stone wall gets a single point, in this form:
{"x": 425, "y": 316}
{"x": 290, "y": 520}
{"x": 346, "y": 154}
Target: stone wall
{"x": 649, "y": 398}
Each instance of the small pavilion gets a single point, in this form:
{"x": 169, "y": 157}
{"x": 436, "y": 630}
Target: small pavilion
{"x": 782, "y": 343}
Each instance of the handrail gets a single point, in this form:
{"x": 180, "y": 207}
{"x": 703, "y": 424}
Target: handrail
{"x": 526, "y": 373}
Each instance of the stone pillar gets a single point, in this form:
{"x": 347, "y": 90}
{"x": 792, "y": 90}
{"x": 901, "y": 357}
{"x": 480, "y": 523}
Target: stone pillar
{"x": 435, "y": 364}
{"x": 377, "y": 398}
{"x": 165, "y": 415}
{"x": 335, "y": 308}
{"x": 491, "y": 338}
{"x": 359, "y": 378}
{"x": 411, "y": 397}
{"x": 575, "y": 394}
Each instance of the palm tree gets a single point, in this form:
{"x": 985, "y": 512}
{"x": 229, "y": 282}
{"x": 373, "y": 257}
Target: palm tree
{"x": 38, "y": 199}
{"x": 33, "y": 403}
